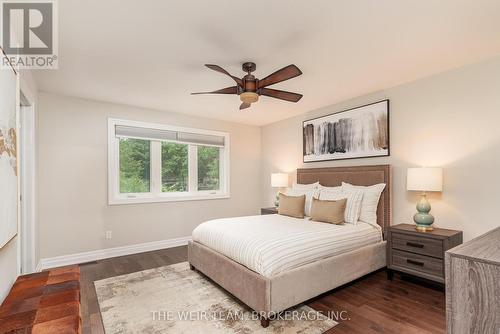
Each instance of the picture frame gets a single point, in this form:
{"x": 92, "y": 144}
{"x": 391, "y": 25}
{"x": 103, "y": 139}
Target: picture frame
{"x": 9, "y": 148}
{"x": 356, "y": 133}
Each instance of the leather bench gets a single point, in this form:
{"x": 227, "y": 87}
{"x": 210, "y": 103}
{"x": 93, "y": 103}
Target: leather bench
{"x": 45, "y": 302}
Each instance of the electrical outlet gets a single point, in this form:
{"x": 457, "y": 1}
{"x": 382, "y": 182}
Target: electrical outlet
{"x": 109, "y": 234}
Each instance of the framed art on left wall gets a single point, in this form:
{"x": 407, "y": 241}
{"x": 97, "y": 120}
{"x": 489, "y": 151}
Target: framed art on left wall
{"x": 8, "y": 156}
{"x": 361, "y": 132}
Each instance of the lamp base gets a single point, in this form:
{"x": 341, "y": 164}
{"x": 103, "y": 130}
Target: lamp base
{"x": 424, "y": 228}
{"x": 423, "y": 218}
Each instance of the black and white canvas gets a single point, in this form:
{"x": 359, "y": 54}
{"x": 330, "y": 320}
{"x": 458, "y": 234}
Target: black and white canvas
{"x": 356, "y": 133}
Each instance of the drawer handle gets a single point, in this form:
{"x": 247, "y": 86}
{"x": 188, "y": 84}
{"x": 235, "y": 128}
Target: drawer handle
{"x": 417, "y": 263}
{"x": 413, "y": 244}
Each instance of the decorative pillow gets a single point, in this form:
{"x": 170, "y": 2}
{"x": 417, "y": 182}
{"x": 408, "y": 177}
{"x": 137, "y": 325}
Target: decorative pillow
{"x": 292, "y": 206}
{"x": 310, "y": 186}
{"x": 328, "y": 211}
{"x": 371, "y": 196}
{"x": 353, "y": 206}
{"x": 309, "y": 196}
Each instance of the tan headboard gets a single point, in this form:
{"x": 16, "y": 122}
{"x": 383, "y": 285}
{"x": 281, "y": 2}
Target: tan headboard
{"x": 357, "y": 175}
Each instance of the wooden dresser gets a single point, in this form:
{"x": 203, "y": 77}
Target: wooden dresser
{"x": 473, "y": 286}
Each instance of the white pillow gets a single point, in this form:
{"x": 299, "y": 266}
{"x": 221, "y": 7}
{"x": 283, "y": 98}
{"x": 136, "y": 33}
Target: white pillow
{"x": 353, "y": 205}
{"x": 371, "y": 196}
{"x": 310, "y": 186}
{"x": 323, "y": 188}
{"x": 329, "y": 191}
{"x": 309, "y": 196}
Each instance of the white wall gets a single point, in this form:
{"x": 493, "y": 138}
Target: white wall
{"x": 10, "y": 253}
{"x": 72, "y": 167}
{"x": 450, "y": 120}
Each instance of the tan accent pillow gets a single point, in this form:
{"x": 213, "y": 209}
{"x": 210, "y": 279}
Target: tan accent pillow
{"x": 292, "y": 206}
{"x": 328, "y": 211}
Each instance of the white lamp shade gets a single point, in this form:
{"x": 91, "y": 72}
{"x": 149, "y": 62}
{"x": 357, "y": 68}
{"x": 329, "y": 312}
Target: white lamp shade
{"x": 424, "y": 179}
{"x": 279, "y": 180}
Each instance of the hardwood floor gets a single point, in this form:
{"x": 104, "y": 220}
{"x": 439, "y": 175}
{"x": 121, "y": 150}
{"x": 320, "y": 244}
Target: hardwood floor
{"x": 371, "y": 304}
{"x": 374, "y": 304}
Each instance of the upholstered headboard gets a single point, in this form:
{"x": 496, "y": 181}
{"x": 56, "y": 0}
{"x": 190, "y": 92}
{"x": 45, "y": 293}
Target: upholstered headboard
{"x": 357, "y": 175}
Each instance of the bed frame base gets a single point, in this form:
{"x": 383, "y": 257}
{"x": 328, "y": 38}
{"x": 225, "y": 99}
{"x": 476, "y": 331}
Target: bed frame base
{"x": 278, "y": 293}
{"x": 264, "y": 322}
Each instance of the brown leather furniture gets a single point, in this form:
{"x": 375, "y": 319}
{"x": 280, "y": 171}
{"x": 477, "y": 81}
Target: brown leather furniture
{"x": 45, "y": 302}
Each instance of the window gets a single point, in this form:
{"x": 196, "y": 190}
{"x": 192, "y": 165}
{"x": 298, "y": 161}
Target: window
{"x": 208, "y": 168}
{"x": 135, "y": 156}
{"x": 160, "y": 163}
{"x": 174, "y": 167}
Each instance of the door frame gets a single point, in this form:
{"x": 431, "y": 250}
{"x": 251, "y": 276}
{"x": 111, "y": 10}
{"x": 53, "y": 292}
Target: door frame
{"x": 28, "y": 233}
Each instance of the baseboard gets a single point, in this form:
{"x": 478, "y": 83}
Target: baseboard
{"x": 79, "y": 258}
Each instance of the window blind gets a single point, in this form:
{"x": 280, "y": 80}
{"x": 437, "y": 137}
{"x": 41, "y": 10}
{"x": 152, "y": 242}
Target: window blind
{"x": 123, "y": 131}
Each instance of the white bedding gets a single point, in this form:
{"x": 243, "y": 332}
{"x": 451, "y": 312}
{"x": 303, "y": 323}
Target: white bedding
{"x": 272, "y": 244}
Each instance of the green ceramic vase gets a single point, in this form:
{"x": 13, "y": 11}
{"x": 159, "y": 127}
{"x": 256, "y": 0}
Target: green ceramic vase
{"x": 423, "y": 218}
{"x": 277, "y": 200}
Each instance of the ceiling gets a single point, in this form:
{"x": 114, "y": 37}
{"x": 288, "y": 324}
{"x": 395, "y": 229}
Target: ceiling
{"x": 150, "y": 53}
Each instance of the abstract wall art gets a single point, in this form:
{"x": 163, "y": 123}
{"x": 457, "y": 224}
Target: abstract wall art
{"x": 8, "y": 156}
{"x": 360, "y": 132}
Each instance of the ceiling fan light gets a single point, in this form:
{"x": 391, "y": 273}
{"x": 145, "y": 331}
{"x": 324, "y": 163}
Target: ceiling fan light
{"x": 249, "y": 97}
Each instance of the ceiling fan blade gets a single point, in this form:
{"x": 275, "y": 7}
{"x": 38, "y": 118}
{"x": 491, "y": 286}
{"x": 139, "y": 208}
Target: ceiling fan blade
{"x": 280, "y": 94}
{"x": 244, "y": 105}
{"x": 287, "y": 72}
{"x": 219, "y": 69}
{"x": 227, "y": 90}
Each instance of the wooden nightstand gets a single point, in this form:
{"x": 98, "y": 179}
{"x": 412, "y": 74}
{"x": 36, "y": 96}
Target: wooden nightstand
{"x": 269, "y": 211}
{"x": 419, "y": 253}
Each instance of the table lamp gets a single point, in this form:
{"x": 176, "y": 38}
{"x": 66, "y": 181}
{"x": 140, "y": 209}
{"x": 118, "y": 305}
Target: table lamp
{"x": 424, "y": 180}
{"x": 279, "y": 180}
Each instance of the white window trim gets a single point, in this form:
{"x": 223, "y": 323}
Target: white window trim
{"x": 155, "y": 196}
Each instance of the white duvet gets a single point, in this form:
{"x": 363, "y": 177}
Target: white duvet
{"x": 272, "y": 244}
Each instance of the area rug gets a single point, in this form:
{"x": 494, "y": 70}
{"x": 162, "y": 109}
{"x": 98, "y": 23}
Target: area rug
{"x": 175, "y": 299}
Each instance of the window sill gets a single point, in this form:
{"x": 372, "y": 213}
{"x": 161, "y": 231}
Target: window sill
{"x": 141, "y": 199}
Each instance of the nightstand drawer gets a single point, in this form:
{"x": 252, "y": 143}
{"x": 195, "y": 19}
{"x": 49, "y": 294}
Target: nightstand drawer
{"x": 419, "y": 263}
{"x": 419, "y": 245}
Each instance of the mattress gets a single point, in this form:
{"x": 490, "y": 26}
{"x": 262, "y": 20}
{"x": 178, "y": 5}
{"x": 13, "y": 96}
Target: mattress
{"x": 273, "y": 244}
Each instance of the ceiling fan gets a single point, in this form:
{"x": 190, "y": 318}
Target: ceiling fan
{"x": 249, "y": 88}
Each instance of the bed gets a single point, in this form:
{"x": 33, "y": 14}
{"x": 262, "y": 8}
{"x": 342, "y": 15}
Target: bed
{"x": 273, "y": 262}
